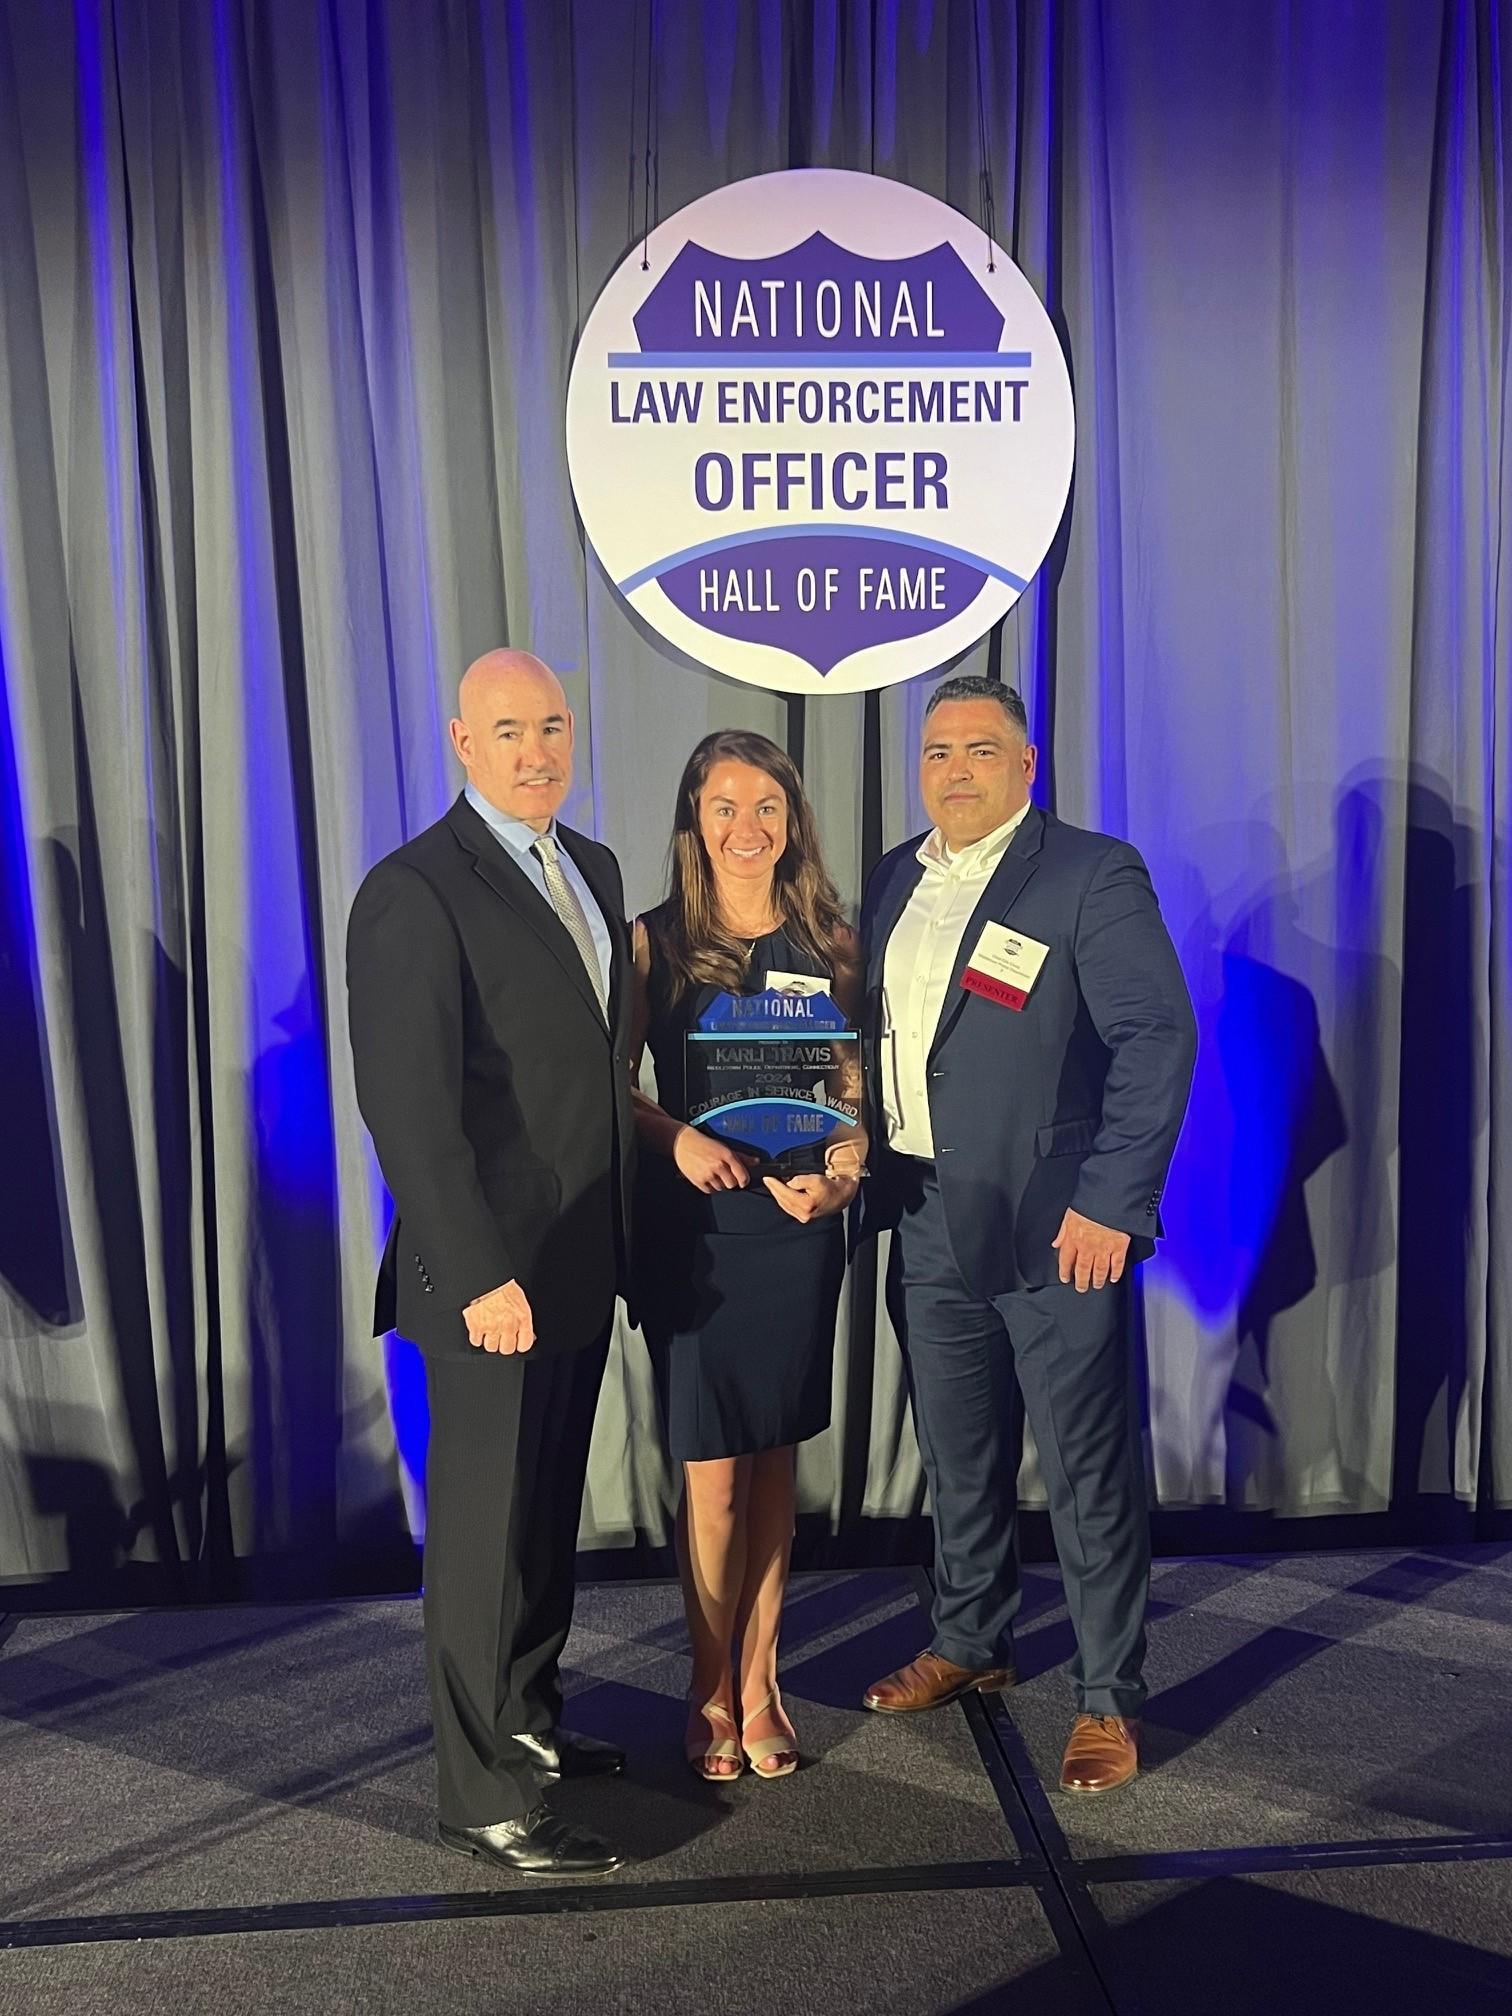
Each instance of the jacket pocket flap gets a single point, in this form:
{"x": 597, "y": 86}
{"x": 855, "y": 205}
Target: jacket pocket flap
{"x": 1066, "y": 1137}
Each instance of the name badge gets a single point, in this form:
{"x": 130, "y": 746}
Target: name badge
{"x": 1004, "y": 966}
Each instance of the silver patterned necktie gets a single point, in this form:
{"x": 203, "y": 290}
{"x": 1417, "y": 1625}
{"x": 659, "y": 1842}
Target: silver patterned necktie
{"x": 566, "y": 905}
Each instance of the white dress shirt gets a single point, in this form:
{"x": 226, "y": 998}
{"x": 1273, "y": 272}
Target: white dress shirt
{"x": 916, "y": 971}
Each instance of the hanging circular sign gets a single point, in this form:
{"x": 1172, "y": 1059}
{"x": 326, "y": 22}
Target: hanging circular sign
{"x": 820, "y": 431}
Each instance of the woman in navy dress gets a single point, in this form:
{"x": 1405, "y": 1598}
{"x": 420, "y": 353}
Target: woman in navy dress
{"x": 739, "y": 1278}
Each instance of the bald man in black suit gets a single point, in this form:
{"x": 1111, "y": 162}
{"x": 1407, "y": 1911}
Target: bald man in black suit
{"x": 487, "y": 971}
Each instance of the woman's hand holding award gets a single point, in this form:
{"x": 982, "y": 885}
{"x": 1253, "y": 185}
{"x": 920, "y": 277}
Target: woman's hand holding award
{"x": 775, "y": 1077}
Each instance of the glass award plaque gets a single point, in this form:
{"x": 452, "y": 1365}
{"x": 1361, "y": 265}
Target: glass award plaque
{"x": 776, "y": 1074}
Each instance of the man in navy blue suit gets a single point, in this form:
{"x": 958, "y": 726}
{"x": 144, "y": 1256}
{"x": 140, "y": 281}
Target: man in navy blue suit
{"x": 1032, "y": 1042}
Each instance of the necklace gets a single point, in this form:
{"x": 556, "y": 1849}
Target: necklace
{"x": 744, "y": 933}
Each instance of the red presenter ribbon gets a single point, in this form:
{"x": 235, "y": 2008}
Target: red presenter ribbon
{"x": 994, "y": 990}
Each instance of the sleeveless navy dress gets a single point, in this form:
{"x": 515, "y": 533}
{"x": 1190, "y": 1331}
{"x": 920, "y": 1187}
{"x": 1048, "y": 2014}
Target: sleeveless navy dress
{"x": 737, "y": 1299}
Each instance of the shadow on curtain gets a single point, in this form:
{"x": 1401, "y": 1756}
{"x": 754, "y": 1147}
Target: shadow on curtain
{"x": 289, "y": 297}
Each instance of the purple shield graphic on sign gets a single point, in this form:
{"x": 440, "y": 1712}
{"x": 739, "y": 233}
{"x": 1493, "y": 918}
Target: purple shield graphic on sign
{"x": 824, "y": 594}
{"x": 818, "y": 297}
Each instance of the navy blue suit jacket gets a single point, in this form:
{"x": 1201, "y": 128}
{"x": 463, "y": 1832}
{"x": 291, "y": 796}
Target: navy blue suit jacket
{"x": 1074, "y": 1100}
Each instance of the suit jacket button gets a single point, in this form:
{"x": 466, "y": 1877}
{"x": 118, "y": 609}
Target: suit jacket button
{"x": 429, "y": 1289}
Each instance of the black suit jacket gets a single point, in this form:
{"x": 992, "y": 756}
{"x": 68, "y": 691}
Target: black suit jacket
{"x": 497, "y": 1098}
{"x": 1075, "y": 1100}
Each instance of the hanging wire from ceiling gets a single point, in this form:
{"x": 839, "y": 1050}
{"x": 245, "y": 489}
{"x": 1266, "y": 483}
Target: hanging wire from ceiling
{"x": 651, "y": 193}
{"x": 987, "y": 207}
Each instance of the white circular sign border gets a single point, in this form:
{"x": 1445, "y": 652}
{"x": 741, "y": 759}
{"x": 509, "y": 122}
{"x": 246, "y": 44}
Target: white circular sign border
{"x": 922, "y": 222}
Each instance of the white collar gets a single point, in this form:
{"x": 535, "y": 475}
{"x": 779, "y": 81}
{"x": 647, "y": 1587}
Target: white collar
{"x": 980, "y": 858}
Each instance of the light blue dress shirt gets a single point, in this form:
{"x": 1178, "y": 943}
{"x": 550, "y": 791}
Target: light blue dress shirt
{"x": 517, "y": 839}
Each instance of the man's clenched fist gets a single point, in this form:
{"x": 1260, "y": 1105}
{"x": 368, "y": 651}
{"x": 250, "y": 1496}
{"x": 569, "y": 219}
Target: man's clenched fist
{"x": 500, "y": 1320}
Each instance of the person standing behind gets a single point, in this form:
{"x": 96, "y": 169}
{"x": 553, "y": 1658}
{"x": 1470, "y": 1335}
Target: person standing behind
{"x": 487, "y": 975}
{"x": 740, "y": 1281}
{"x": 1035, "y": 1046}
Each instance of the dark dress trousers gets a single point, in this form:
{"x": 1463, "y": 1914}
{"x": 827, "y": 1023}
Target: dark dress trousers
{"x": 1075, "y": 1101}
{"x": 497, "y": 1096}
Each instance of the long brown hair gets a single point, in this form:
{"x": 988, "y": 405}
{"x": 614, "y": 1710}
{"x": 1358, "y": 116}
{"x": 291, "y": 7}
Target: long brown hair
{"x": 699, "y": 948}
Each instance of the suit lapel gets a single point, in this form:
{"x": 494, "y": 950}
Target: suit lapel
{"x": 491, "y": 861}
{"x": 891, "y": 904}
{"x": 1003, "y": 889}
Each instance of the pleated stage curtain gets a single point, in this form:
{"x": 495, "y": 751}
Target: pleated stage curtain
{"x": 290, "y": 292}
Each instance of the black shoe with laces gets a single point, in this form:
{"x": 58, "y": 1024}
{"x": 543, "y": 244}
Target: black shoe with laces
{"x": 540, "y": 1844}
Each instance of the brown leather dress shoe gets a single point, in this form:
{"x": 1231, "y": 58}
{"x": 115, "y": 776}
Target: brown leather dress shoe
{"x": 930, "y": 1681}
{"x": 1101, "y": 1754}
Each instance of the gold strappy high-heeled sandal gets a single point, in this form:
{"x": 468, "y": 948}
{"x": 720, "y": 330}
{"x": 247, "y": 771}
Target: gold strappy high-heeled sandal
{"x": 763, "y": 1747}
{"x": 723, "y": 1749}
